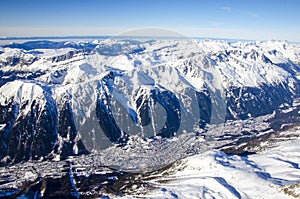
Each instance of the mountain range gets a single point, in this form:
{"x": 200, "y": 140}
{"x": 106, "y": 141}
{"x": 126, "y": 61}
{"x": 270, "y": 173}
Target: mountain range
{"x": 140, "y": 99}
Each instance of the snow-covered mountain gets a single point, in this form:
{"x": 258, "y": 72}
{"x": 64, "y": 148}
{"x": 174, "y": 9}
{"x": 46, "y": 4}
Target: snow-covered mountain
{"x": 141, "y": 105}
{"x": 67, "y": 98}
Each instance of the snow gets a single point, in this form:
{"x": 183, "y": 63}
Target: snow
{"x": 223, "y": 64}
{"x": 273, "y": 173}
{"x": 2, "y": 126}
{"x": 21, "y": 91}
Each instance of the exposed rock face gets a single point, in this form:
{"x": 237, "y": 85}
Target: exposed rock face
{"x": 33, "y": 127}
{"x": 253, "y": 102}
{"x": 29, "y": 131}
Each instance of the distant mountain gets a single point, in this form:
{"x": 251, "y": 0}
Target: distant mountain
{"x": 32, "y": 45}
{"x": 59, "y": 99}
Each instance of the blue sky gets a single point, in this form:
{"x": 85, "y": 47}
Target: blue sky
{"x": 235, "y": 19}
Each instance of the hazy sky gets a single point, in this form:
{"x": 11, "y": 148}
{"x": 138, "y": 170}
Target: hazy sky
{"x": 238, "y": 19}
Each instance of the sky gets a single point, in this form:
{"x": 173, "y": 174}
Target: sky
{"x": 231, "y": 19}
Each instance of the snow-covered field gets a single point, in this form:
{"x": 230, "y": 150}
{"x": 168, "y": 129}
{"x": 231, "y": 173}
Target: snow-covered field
{"x": 270, "y": 173}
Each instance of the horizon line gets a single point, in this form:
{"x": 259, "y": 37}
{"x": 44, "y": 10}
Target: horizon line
{"x": 113, "y": 36}
{"x": 8, "y": 38}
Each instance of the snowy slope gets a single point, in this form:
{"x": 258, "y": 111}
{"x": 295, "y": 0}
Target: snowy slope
{"x": 273, "y": 173}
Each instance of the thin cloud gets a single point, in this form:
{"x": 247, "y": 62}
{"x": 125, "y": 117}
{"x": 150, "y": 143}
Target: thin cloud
{"x": 226, "y": 8}
{"x": 252, "y": 14}
{"x": 249, "y": 13}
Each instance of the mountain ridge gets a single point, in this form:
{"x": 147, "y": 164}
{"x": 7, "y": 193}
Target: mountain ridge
{"x": 103, "y": 91}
